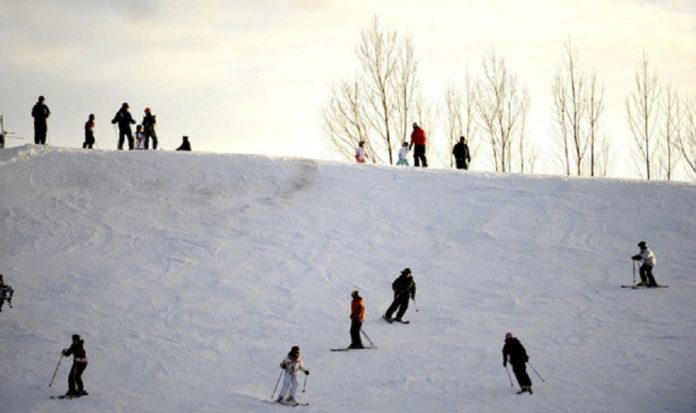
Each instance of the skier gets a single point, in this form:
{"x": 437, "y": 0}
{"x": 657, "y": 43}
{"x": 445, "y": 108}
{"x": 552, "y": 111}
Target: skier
{"x": 124, "y": 119}
{"x": 361, "y": 153}
{"x": 77, "y": 350}
{"x": 404, "y": 288}
{"x": 6, "y": 293}
{"x": 357, "y": 316}
{"x": 649, "y": 261}
{"x": 89, "y": 133}
{"x": 40, "y": 113}
{"x": 149, "y": 122}
{"x": 185, "y": 145}
{"x": 403, "y": 154}
{"x": 139, "y": 137}
{"x": 518, "y": 359}
{"x": 292, "y": 364}
{"x": 461, "y": 154}
{"x": 418, "y": 140}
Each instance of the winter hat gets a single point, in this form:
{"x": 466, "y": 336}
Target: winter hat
{"x": 642, "y": 244}
{"x": 508, "y": 335}
{"x": 75, "y": 336}
{"x": 415, "y": 124}
{"x": 406, "y": 271}
{"x": 355, "y": 294}
{"x": 147, "y": 110}
{"x": 295, "y": 349}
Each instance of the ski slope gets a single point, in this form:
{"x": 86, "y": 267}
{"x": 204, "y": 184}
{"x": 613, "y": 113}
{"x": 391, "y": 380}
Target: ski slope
{"x": 191, "y": 275}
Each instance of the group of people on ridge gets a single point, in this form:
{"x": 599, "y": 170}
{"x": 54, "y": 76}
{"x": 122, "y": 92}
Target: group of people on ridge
{"x": 418, "y": 141}
{"x": 145, "y": 132}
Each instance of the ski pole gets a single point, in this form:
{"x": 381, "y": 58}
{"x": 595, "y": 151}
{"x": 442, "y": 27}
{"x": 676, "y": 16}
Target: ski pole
{"x": 536, "y": 372}
{"x": 276, "y": 386}
{"x": 304, "y": 386}
{"x": 509, "y": 377}
{"x": 634, "y": 272}
{"x": 56, "y": 370}
{"x": 415, "y": 305}
{"x": 367, "y": 337}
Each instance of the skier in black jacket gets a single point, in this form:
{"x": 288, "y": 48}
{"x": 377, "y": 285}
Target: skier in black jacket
{"x": 40, "y": 113}
{"x": 89, "y": 133}
{"x": 6, "y": 293}
{"x": 149, "y": 122}
{"x": 185, "y": 144}
{"x": 515, "y": 351}
{"x": 77, "y": 350}
{"x": 461, "y": 154}
{"x": 124, "y": 119}
{"x": 404, "y": 289}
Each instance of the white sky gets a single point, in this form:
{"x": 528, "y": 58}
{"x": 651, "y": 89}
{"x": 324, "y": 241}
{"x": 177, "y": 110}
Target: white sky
{"x": 251, "y": 77}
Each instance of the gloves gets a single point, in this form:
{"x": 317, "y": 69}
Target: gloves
{"x": 505, "y": 364}
{"x": 283, "y": 366}
{"x": 306, "y": 372}
{"x": 64, "y": 351}
{"x": 636, "y": 258}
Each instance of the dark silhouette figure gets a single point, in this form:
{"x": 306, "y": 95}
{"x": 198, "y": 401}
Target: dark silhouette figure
{"x": 404, "y": 288}
{"x": 89, "y": 133}
{"x": 75, "y": 386}
{"x": 124, "y": 120}
{"x": 461, "y": 154}
{"x": 516, "y": 353}
{"x": 185, "y": 145}
{"x": 40, "y": 113}
{"x": 149, "y": 122}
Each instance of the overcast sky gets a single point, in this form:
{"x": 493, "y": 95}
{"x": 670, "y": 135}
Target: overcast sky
{"x": 251, "y": 76}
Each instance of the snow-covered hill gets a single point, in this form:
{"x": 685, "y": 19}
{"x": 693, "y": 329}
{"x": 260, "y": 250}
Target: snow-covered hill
{"x": 191, "y": 276}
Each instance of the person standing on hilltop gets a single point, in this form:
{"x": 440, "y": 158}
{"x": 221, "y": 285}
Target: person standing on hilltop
{"x": 461, "y": 154}
{"x": 361, "y": 153}
{"x": 648, "y": 259}
{"x": 40, "y": 113}
{"x": 124, "y": 120}
{"x": 403, "y": 154}
{"x": 418, "y": 139}
{"x": 517, "y": 354}
{"x": 149, "y": 122}
{"x": 89, "y": 133}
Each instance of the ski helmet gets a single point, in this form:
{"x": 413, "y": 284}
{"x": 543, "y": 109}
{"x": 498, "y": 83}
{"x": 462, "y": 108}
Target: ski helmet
{"x": 508, "y": 335}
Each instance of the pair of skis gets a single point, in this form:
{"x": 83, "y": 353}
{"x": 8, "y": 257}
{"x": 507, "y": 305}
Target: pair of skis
{"x": 638, "y": 286}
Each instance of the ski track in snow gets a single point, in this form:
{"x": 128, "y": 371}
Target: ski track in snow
{"x": 191, "y": 276}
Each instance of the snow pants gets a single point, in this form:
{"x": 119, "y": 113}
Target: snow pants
{"x": 355, "y": 340}
{"x": 520, "y": 370}
{"x": 75, "y": 384}
{"x": 123, "y": 133}
{"x": 400, "y": 302}
{"x": 289, "y": 383}
{"x": 646, "y": 275}
{"x": 403, "y": 162}
{"x": 40, "y": 130}
{"x": 150, "y": 134}
{"x": 462, "y": 163}
{"x": 419, "y": 156}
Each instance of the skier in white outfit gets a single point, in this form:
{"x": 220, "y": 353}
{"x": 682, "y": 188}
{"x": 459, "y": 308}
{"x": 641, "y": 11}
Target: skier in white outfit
{"x": 648, "y": 258}
{"x": 292, "y": 364}
{"x": 403, "y": 154}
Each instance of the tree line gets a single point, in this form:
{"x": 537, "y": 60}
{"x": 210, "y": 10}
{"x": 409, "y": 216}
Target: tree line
{"x": 383, "y": 98}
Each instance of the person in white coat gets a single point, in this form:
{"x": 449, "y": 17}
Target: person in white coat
{"x": 292, "y": 364}
{"x": 648, "y": 258}
{"x": 403, "y": 154}
{"x": 361, "y": 153}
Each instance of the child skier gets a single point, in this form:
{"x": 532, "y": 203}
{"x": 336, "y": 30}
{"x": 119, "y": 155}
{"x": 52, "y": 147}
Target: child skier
{"x": 139, "y": 137}
{"x": 6, "y": 293}
{"x": 518, "y": 359}
{"x": 649, "y": 261}
{"x": 292, "y": 364}
{"x": 361, "y": 153}
{"x": 403, "y": 154}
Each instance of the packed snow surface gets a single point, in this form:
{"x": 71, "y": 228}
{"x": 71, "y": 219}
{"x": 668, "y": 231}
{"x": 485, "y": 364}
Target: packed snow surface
{"x": 191, "y": 275}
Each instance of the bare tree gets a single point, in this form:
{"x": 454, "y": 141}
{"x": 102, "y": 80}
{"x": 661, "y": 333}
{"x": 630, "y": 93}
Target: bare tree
{"x": 383, "y": 96}
{"x": 599, "y": 148}
{"x": 687, "y": 135}
{"x": 460, "y": 116}
{"x": 501, "y": 108}
{"x": 642, "y": 112}
{"x": 669, "y": 132}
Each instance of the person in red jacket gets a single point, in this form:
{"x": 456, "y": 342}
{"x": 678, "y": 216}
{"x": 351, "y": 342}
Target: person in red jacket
{"x": 418, "y": 140}
{"x": 357, "y": 315}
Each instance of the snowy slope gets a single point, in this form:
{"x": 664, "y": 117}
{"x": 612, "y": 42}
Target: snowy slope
{"x": 191, "y": 275}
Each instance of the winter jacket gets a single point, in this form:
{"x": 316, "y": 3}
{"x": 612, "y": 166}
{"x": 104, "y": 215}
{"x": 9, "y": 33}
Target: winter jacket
{"x": 404, "y": 284}
{"x": 124, "y": 119}
{"x": 6, "y": 292}
{"x": 78, "y": 352}
{"x": 185, "y": 146}
{"x": 40, "y": 113}
{"x": 461, "y": 151}
{"x": 149, "y": 122}
{"x": 418, "y": 136}
{"x": 647, "y": 257}
{"x": 357, "y": 309}
{"x": 515, "y": 351}
{"x": 292, "y": 365}
{"x": 360, "y": 154}
{"x": 403, "y": 152}
{"x": 89, "y": 130}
